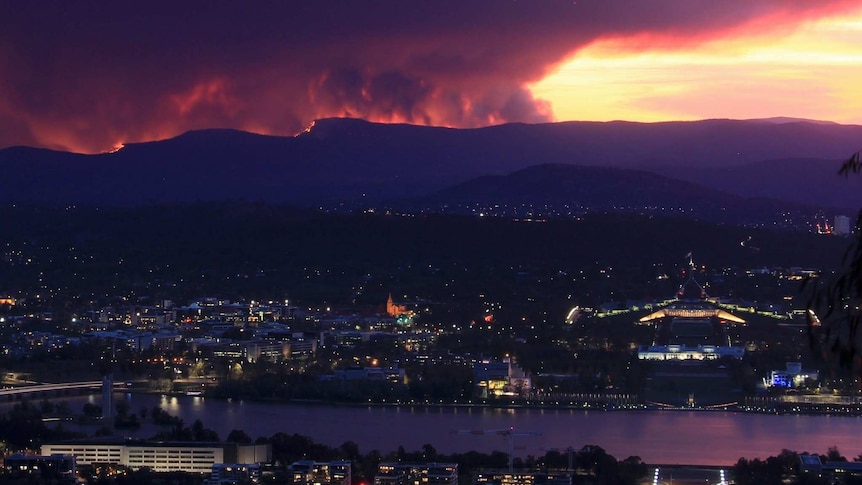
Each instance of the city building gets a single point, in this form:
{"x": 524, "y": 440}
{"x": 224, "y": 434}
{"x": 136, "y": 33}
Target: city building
{"x": 160, "y": 456}
{"x": 683, "y": 352}
{"x": 321, "y": 473}
{"x": 792, "y": 376}
{"x": 417, "y": 474}
{"x": 47, "y": 467}
{"x": 252, "y": 350}
{"x": 232, "y": 473}
{"x": 691, "y": 327}
{"x": 394, "y": 375}
{"x": 833, "y": 472}
{"x": 527, "y": 478}
{"x": 500, "y": 378}
{"x": 394, "y": 310}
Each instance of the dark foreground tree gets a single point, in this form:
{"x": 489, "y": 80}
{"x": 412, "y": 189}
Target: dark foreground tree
{"x": 835, "y": 306}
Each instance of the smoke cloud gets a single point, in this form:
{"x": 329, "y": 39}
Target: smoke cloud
{"x": 87, "y": 76}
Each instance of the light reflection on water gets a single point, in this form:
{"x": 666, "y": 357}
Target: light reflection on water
{"x": 658, "y": 437}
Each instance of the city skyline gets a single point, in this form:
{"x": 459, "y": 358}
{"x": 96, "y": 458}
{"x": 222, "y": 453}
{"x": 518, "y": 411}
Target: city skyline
{"x": 88, "y": 77}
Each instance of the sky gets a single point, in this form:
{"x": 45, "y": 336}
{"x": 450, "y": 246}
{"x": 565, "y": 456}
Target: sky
{"x": 89, "y": 76}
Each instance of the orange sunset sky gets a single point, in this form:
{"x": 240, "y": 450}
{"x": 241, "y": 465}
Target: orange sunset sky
{"x": 89, "y": 76}
{"x": 809, "y": 70}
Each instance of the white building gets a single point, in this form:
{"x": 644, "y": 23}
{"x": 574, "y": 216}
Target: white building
{"x": 683, "y": 352}
{"x": 195, "y": 457}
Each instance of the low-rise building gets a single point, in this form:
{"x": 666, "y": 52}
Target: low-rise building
{"x": 321, "y": 473}
{"x": 526, "y": 478}
{"x": 232, "y": 473}
{"x": 417, "y": 474}
{"x": 160, "y": 456}
{"x": 793, "y": 375}
{"x": 46, "y": 467}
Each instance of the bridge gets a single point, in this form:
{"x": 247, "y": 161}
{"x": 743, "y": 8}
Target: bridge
{"x": 55, "y": 388}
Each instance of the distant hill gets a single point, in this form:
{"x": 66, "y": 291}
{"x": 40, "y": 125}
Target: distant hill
{"x": 340, "y": 160}
{"x": 810, "y": 181}
{"x": 583, "y": 189}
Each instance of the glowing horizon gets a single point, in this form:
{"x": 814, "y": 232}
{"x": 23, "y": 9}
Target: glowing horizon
{"x": 807, "y": 73}
{"x": 98, "y": 77}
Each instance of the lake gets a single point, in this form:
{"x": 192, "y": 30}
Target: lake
{"x": 658, "y": 437}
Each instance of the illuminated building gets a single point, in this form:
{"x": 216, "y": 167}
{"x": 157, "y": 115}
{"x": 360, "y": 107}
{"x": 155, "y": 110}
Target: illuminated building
{"x": 195, "y": 457}
{"x": 321, "y": 473}
{"x": 691, "y": 327}
{"x": 51, "y": 467}
{"x": 231, "y": 473}
{"x": 500, "y": 378}
{"x": 394, "y": 375}
{"x": 838, "y": 472}
{"x": 682, "y": 352}
{"x": 417, "y": 474}
{"x": 506, "y": 478}
{"x": 396, "y": 311}
{"x": 691, "y": 311}
{"x": 792, "y": 376}
{"x": 253, "y": 350}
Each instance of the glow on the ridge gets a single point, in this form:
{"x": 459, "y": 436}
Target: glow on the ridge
{"x": 810, "y": 72}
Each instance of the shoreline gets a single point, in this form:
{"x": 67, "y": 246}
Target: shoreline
{"x": 775, "y": 408}
{"x": 833, "y": 409}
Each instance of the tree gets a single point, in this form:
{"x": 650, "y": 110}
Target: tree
{"x": 834, "y": 455}
{"x": 350, "y": 450}
{"x": 238, "y": 436}
{"x": 429, "y": 453}
{"x": 91, "y": 410}
{"x": 835, "y": 307}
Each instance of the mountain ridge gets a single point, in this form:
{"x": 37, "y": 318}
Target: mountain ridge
{"x": 341, "y": 160}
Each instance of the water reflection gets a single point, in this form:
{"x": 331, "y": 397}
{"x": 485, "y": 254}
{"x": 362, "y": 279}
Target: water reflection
{"x": 666, "y": 437}
{"x": 169, "y": 404}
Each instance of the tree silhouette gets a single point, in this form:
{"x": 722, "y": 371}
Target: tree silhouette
{"x": 835, "y": 307}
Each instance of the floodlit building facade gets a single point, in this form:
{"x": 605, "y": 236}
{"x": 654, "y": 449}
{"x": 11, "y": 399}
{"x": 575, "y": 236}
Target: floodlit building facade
{"x": 194, "y": 457}
{"x": 691, "y": 327}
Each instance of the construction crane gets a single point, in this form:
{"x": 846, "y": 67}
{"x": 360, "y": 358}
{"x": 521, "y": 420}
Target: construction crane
{"x": 507, "y": 433}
